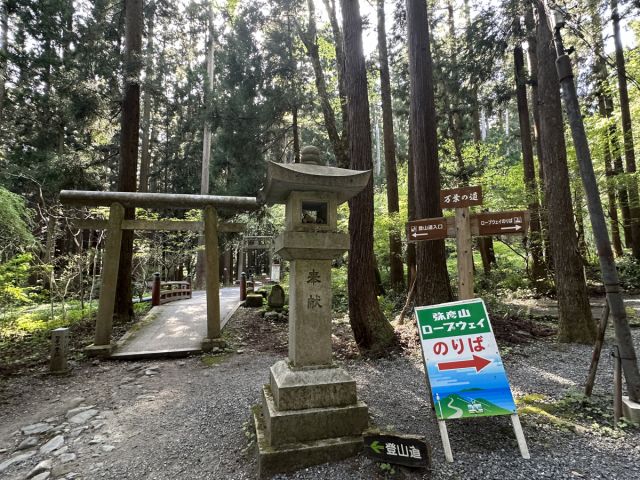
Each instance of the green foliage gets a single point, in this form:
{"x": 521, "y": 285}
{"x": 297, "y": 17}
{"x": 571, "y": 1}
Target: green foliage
{"x": 14, "y": 276}
{"x": 339, "y": 297}
{"x": 15, "y": 223}
{"x": 629, "y": 272}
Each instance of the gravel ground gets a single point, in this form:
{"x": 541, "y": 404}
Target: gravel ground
{"x": 190, "y": 419}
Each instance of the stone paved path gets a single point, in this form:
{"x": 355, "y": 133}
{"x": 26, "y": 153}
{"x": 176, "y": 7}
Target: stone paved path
{"x": 178, "y": 326}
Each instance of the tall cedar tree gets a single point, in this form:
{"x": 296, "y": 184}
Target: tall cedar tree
{"x": 627, "y": 131}
{"x": 532, "y": 54}
{"x": 371, "y": 330}
{"x": 537, "y": 268}
{"x": 576, "y": 323}
{"x": 393, "y": 204}
{"x": 310, "y": 40}
{"x": 145, "y": 155}
{"x": 432, "y": 281}
{"x": 4, "y": 41}
{"x": 129, "y": 136}
{"x": 601, "y": 76}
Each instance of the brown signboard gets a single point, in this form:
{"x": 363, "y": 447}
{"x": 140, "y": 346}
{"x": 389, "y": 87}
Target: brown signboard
{"x": 502, "y": 223}
{"x": 461, "y": 197}
{"x": 427, "y": 229}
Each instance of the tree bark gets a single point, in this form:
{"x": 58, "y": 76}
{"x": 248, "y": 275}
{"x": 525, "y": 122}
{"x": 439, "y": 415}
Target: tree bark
{"x": 309, "y": 39}
{"x": 411, "y": 212}
{"x": 432, "y": 277}
{"x": 605, "y": 108}
{"x": 575, "y": 322}
{"x": 627, "y": 131}
{"x": 4, "y": 43}
{"x": 371, "y": 329}
{"x": 531, "y": 187}
{"x": 129, "y": 148}
{"x": 532, "y": 54}
{"x": 614, "y": 224}
{"x": 338, "y": 41}
{"x": 393, "y": 203}
{"x": 145, "y": 155}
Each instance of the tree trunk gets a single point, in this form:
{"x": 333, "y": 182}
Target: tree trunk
{"x": 432, "y": 284}
{"x": 296, "y": 134}
{"x": 627, "y": 131}
{"x": 201, "y": 273}
{"x": 605, "y": 109}
{"x": 453, "y": 113}
{"x": 145, "y": 155}
{"x": 393, "y": 203}
{"x": 411, "y": 212}
{"x": 330, "y": 5}
{"x": 532, "y": 53}
{"x": 129, "y": 148}
{"x": 4, "y": 43}
{"x": 311, "y": 45}
{"x": 371, "y": 330}
{"x": 614, "y": 224}
{"x": 531, "y": 187}
{"x": 618, "y": 171}
{"x": 575, "y": 322}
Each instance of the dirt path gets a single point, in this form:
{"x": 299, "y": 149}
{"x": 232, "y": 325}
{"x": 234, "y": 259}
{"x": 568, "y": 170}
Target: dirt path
{"x": 190, "y": 419}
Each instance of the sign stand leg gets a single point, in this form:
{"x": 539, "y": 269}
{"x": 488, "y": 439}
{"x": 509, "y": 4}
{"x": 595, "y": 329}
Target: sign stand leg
{"x": 448, "y": 454}
{"x": 522, "y": 442}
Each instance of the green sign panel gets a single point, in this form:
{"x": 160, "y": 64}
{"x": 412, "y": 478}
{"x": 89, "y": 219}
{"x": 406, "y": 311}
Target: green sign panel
{"x": 462, "y": 361}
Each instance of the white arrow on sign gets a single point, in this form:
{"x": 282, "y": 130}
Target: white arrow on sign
{"x": 516, "y": 228}
{"x": 420, "y": 235}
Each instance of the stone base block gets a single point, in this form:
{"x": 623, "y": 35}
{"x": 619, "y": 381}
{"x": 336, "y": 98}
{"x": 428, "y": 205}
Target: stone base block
{"x": 209, "y": 344}
{"x": 294, "y": 456}
{"x": 318, "y": 388}
{"x": 254, "y": 300}
{"x": 291, "y": 426}
{"x": 630, "y": 410}
{"x": 98, "y": 351}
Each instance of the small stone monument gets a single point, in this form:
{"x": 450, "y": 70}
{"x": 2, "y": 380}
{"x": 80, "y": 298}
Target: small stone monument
{"x": 59, "y": 350}
{"x": 310, "y": 412}
{"x": 276, "y": 297}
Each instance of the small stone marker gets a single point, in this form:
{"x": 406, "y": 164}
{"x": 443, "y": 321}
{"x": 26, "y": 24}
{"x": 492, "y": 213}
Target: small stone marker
{"x": 276, "y": 297}
{"x": 59, "y": 350}
{"x": 407, "y": 450}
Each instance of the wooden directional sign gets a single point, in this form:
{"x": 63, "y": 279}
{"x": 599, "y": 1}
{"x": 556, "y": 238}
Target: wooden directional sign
{"x": 427, "y": 229}
{"x": 407, "y": 450}
{"x": 502, "y": 223}
{"x": 461, "y": 197}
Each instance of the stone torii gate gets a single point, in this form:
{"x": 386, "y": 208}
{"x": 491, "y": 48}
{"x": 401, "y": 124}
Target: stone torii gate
{"x": 117, "y": 202}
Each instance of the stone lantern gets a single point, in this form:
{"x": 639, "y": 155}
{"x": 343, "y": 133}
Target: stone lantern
{"x": 310, "y": 413}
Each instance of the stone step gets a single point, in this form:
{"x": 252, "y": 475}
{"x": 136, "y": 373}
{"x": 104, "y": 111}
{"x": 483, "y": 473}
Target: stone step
{"x": 317, "y": 388}
{"x": 291, "y": 426}
{"x": 294, "y": 456}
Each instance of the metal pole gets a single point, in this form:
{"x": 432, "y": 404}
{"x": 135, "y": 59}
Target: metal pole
{"x": 155, "y": 290}
{"x": 598, "y": 221}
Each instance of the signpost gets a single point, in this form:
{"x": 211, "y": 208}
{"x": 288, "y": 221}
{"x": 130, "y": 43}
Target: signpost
{"x": 465, "y": 225}
{"x": 407, "y": 450}
{"x": 428, "y": 229}
{"x": 501, "y": 223}
{"x": 463, "y": 366}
